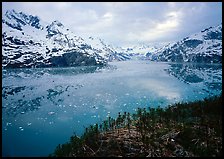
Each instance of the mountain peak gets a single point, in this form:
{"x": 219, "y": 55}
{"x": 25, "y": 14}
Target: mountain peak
{"x": 10, "y": 13}
{"x": 55, "y": 28}
{"x": 210, "y": 33}
{"x": 57, "y": 23}
{"x": 26, "y": 43}
{"x": 203, "y": 47}
{"x": 17, "y": 20}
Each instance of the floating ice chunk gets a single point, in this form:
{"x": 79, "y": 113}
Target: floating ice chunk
{"x": 98, "y": 95}
{"x": 51, "y": 113}
{"x": 22, "y": 112}
{"x": 124, "y": 104}
{"x": 8, "y": 124}
{"x": 29, "y": 124}
{"x": 127, "y": 94}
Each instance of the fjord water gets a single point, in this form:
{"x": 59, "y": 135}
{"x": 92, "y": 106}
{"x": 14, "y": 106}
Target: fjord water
{"x": 42, "y": 107}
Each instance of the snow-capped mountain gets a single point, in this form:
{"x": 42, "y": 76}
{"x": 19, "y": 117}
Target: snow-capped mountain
{"x": 27, "y": 41}
{"x": 203, "y": 47}
{"x": 141, "y": 51}
{"x": 108, "y": 51}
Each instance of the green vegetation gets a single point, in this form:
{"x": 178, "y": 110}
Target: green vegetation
{"x": 181, "y": 130}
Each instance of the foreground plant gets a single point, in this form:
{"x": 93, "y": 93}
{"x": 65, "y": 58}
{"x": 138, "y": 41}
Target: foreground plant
{"x": 181, "y": 130}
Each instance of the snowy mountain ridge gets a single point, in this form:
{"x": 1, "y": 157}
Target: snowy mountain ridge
{"x": 27, "y": 41}
{"x": 203, "y": 47}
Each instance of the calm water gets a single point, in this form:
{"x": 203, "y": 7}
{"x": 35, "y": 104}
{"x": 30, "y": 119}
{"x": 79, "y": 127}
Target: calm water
{"x": 44, "y": 107}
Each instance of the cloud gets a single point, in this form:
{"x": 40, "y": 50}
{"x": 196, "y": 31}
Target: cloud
{"x": 108, "y": 16}
{"x": 62, "y": 5}
{"x": 122, "y": 23}
{"x": 158, "y": 29}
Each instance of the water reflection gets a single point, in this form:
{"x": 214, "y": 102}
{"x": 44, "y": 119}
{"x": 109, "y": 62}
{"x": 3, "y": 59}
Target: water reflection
{"x": 39, "y": 104}
{"x": 65, "y": 71}
{"x": 208, "y": 75}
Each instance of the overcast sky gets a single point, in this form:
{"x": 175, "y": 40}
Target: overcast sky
{"x": 127, "y": 23}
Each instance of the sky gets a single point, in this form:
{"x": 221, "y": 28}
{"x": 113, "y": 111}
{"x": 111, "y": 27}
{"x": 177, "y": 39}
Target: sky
{"x": 127, "y": 23}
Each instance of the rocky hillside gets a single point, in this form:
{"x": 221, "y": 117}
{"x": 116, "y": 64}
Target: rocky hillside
{"x": 27, "y": 41}
{"x": 203, "y": 47}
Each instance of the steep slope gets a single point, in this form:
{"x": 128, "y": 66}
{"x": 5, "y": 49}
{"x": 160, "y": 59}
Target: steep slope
{"x": 29, "y": 42}
{"x": 111, "y": 53}
{"x": 203, "y": 47}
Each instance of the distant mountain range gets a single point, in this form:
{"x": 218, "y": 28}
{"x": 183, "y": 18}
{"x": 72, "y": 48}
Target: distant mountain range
{"x": 27, "y": 41}
{"x": 203, "y": 47}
